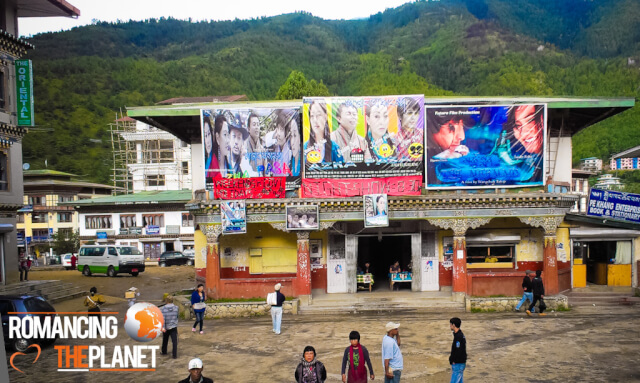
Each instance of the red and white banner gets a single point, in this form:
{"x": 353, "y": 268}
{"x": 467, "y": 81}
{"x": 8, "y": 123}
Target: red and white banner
{"x": 338, "y": 188}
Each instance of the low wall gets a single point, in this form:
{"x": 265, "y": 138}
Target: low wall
{"x": 232, "y": 309}
{"x": 502, "y": 304}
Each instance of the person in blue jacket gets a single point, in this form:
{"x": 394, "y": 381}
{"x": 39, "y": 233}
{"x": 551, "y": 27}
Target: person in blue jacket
{"x": 198, "y": 297}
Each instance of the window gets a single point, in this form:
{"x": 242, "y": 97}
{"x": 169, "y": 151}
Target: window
{"x": 20, "y": 218}
{"x": 65, "y": 217}
{"x": 157, "y": 151}
{"x": 37, "y": 200}
{"x": 127, "y": 220}
{"x": 490, "y": 254}
{"x": 4, "y": 170}
{"x": 185, "y": 167}
{"x": 3, "y": 81}
{"x": 65, "y": 198}
{"x": 65, "y": 232}
{"x": 112, "y": 251}
{"x": 6, "y": 307}
{"x": 155, "y": 180}
{"x": 98, "y": 222}
{"x": 187, "y": 220}
{"x": 153, "y": 220}
{"x": 39, "y": 218}
{"x": 92, "y": 251}
{"x": 39, "y": 235}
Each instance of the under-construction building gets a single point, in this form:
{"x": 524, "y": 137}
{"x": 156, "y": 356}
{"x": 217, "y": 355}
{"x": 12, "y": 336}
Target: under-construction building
{"x": 146, "y": 158}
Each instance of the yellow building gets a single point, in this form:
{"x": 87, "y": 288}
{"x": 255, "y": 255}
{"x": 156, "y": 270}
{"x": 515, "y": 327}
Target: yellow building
{"x": 42, "y": 215}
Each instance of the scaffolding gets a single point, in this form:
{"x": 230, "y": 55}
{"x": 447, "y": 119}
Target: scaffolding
{"x": 153, "y": 153}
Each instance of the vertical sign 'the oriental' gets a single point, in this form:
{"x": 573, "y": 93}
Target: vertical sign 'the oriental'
{"x": 24, "y": 91}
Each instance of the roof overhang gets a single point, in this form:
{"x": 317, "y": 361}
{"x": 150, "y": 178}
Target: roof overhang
{"x": 599, "y": 221}
{"x": 629, "y": 153}
{"x": 46, "y": 8}
{"x": 572, "y": 114}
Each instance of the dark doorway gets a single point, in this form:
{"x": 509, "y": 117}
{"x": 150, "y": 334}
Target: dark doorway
{"x": 599, "y": 255}
{"x": 381, "y": 252}
{"x": 168, "y": 246}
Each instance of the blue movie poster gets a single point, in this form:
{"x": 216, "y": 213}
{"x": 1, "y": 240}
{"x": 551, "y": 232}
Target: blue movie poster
{"x": 485, "y": 146}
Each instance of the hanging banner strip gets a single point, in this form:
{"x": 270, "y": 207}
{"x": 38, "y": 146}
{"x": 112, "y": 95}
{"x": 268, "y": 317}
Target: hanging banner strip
{"x": 250, "y": 188}
{"x": 332, "y": 188}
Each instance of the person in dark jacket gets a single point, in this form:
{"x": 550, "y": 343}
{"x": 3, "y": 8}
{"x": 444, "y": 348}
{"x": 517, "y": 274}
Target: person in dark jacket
{"x": 356, "y": 355}
{"x": 276, "y": 310}
{"x": 310, "y": 370}
{"x": 195, "y": 373}
{"x": 197, "y": 298}
{"x": 458, "y": 357}
{"x": 527, "y": 293}
{"x": 538, "y": 294}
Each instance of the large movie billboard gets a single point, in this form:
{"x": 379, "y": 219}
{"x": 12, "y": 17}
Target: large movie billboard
{"x": 485, "y": 146}
{"x": 249, "y": 143}
{"x": 363, "y": 137}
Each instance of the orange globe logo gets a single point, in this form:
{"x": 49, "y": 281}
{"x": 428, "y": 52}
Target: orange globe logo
{"x": 143, "y": 322}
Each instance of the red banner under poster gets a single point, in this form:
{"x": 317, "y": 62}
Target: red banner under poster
{"x": 339, "y": 188}
{"x": 250, "y": 188}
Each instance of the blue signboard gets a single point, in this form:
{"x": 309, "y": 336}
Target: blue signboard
{"x": 101, "y": 235}
{"x": 153, "y": 229}
{"x": 614, "y": 205}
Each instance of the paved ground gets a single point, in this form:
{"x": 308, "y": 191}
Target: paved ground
{"x": 591, "y": 344}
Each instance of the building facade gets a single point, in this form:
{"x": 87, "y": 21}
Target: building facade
{"x": 42, "y": 214}
{"x": 154, "y": 222}
{"x": 469, "y": 242}
{"x": 626, "y": 160}
{"x": 591, "y": 164}
{"x": 11, "y": 190}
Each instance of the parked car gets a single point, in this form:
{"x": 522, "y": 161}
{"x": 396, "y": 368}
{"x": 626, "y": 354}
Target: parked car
{"x": 110, "y": 259}
{"x": 169, "y": 258}
{"x": 24, "y": 304}
{"x": 66, "y": 260}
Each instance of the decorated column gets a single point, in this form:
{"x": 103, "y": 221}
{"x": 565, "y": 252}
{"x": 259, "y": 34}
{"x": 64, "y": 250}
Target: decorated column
{"x": 459, "y": 227}
{"x": 549, "y": 257}
{"x": 302, "y": 283}
{"x": 212, "y": 274}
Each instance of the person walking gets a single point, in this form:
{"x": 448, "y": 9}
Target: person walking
{"x": 195, "y": 373}
{"x": 93, "y": 301}
{"x": 24, "y": 269}
{"x": 74, "y": 261}
{"x": 391, "y": 354}
{"x": 356, "y": 355}
{"x": 538, "y": 294}
{"x": 199, "y": 306}
{"x": 526, "y": 290}
{"x": 276, "y": 310}
{"x": 309, "y": 369}
{"x": 458, "y": 357}
{"x": 170, "y": 329}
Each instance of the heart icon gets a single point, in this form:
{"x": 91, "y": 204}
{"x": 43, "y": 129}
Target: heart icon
{"x": 22, "y": 353}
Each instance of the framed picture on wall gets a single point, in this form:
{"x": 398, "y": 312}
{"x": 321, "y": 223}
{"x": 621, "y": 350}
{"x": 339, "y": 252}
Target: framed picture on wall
{"x": 375, "y": 210}
{"x": 233, "y": 216}
{"x": 302, "y": 217}
{"x": 315, "y": 252}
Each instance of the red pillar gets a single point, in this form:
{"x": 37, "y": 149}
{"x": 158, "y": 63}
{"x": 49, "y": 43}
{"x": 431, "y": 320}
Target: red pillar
{"x": 459, "y": 265}
{"x": 212, "y": 282}
{"x": 302, "y": 283}
{"x": 550, "y": 266}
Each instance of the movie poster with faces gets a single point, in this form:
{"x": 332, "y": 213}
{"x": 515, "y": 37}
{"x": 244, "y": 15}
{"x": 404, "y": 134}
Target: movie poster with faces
{"x": 363, "y": 137}
{"x": 376, "y": 210}
{"x": 302, "y": 217}
{"x": 233, "y": 217}
{"x": 247, "y": 143}
{"x": 485, "y": 146}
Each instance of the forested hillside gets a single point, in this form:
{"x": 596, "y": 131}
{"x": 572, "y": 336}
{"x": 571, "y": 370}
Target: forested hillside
{"x": 450, "y": 47}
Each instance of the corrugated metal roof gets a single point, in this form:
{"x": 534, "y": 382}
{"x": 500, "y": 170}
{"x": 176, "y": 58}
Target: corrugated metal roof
{"x": 46, "y": 172}
{"x": 207, "y": 99}
{"x": 169, "y": 196}
{"x": 629, "y": 153}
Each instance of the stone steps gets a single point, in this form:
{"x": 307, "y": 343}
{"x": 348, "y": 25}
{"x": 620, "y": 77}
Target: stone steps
{"x": 591, "y": 298}
{"x": 52, "y": 291}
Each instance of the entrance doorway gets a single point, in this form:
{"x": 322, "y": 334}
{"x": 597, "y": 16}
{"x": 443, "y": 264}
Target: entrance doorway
{"x": 152, "y": 250}
{"x": 607, "y": 262}
{"x": 381, "y": 252}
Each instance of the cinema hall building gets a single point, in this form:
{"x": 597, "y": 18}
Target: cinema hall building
{"x": 469, "y": 215}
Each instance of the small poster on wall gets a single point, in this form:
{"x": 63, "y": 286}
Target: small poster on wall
{"x": 302, "y": 217}
{"x": 315, "y": 252}
{"x": 234, "y": 219}
{"x": 376, "y": 210}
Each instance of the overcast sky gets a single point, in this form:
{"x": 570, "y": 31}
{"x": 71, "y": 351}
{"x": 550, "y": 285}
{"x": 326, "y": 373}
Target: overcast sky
{"x": 125, "y": 10}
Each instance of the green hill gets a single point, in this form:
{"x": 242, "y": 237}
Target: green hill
{"x": 490, "y": 47}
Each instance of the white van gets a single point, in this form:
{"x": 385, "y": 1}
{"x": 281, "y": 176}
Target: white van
{"x": 110, "y": 259}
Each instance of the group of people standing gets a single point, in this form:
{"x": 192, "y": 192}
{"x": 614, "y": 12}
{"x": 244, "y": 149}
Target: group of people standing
{"x": 344, "y": 144}
{"x": 356, "y": 363}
